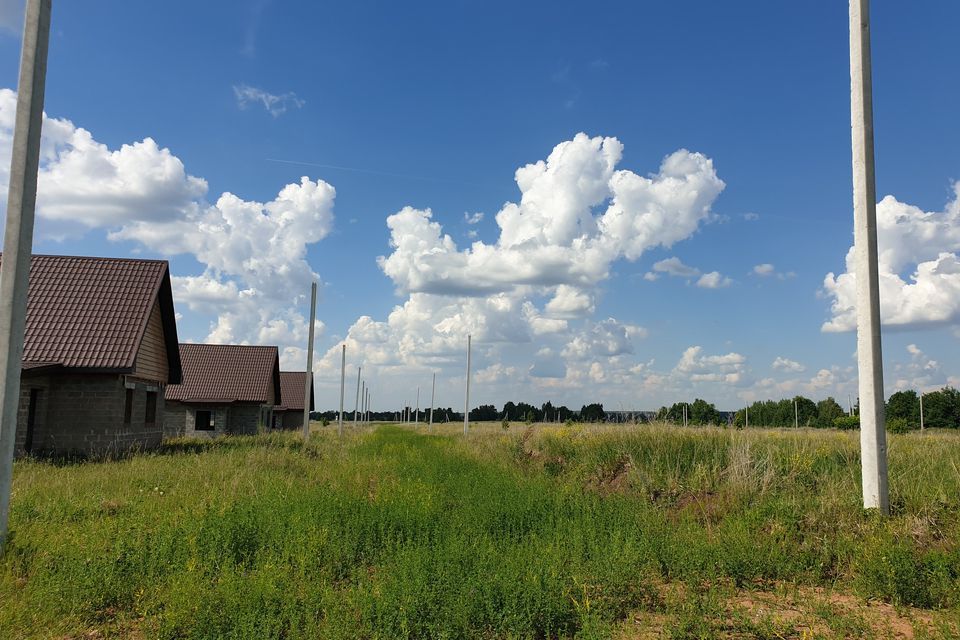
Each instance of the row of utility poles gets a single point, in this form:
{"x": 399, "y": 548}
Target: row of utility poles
{"x": 361, "y": 412}
{"x": 21, "y": 206}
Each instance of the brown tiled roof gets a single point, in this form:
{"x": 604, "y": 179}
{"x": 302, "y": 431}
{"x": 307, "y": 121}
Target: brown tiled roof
{"x": 91, "y": 313}
{"x": 218, "y": 373}
{"x": 291, "y": 390}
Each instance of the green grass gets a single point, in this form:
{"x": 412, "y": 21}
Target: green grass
{"x": 543, "y": 533}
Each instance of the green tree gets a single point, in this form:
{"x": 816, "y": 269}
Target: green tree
{"x": 592, "y": 413}
{"x": 807, "y": 411}
{"x": 904, "y": 405}
{"x": 484, "y": 413}
{"x": 702, "y": 412}
{"x": 941, "y": 409}
{"x": 827, "y": 411}
{"x": 548, "y": 411}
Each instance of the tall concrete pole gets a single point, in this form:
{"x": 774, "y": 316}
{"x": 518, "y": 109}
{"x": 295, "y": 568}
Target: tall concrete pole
{"x": 356, "y": 403}
{"x": 343, "y": 380}
{"x": 363, "y": 399}
{"x": 466, "y": 400}
{"x": 18, "y": 238}
{"x": 796, "y": 415}
{"x": 921, "y": 412}
{"x": 366, "y": 415}
{"x": 873, "y": 436}
{"x": 433, "y": 397}
{"x": 308, "y": 380}
{"x": 747, "y": 417}
{"x": 416, "y": 419}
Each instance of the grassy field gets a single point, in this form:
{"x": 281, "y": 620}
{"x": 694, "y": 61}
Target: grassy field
{"x": 545, "y": 532}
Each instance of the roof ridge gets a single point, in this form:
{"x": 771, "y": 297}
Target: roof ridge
{"x": 110, "y": 258}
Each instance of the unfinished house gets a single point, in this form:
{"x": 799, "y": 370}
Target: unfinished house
{"x": 226, "y": 388}
{"x": 99, "y": 350}
{"x": 289, "y": 414}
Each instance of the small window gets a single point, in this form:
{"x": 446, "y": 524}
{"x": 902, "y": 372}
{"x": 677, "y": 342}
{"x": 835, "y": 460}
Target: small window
{"x": 128, "y": 407}
{"x": 203, "y": 422}
{"x": 150, "y": 415}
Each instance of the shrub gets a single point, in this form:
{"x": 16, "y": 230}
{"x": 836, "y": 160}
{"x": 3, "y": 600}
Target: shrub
{"x": 898, "y": 425}
{"x": 325, "y": 422}
{"x": 505, "y": 424}
{"x": 846, "y": 423}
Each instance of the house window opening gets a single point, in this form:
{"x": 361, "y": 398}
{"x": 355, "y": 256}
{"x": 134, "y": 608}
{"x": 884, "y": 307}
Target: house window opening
{"x": 204, "y": 421}
{"x": 150, "y": 415}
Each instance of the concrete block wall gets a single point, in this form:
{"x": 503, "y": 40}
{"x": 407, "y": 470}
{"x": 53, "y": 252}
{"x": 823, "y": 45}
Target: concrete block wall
{"x": 244, "y": 419}
{"x": 219, "y": 414}
{"x": 83, "y": 413}
{"x": 42, "y": 386}
{"x": 289, "y": 419}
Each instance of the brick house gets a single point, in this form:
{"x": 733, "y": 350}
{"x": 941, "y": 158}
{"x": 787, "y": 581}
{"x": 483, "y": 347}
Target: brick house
{"x": 289, "y": 414}
{"x": 100, "y": 346}
{"x": 226, "y": 388}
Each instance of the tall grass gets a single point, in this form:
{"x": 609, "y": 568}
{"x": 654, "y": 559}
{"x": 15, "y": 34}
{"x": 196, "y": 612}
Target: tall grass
{"x": 550, "y": 532}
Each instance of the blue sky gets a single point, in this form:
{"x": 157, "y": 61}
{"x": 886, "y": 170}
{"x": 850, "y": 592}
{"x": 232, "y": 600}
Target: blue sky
{"x": 436, "y": 107}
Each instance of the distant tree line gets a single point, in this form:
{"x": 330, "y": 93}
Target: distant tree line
{"x": 512, "y": 411}
{"x": 941, "y": 409}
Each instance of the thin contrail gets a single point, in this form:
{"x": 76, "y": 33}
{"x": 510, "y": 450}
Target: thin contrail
{"x": 371, "y": 172}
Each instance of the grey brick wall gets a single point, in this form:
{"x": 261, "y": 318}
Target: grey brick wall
{"x": 181, "y": 419}
{"x": 290, "y": 419}
{"x": 244, "y": 418}
{"x": 83, "y": 413}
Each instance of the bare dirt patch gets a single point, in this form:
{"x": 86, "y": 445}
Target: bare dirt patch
{"x": 793, "y": 613}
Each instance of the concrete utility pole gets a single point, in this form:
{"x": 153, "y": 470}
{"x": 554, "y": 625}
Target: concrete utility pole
{"x": 369, "y": 399}
{"x": 873, "y": 436}
{"x": 433, "y": 397}
{"x": 363, "y": 400}
{"x": 466, "y": 401}
{"x": 747, "y": 417}
{"x": 343, "y": 379}
{"x": 308, "y": 382}
{"x": 18, "y": 236}
{"x": 416, "y": 419}
{"x": 356, "y": 403}
{"x": 796, "y": 415}
{"x": 921, "y": 412}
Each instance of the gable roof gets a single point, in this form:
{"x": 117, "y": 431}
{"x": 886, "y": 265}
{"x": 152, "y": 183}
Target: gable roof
{"x": 92, "y": 313}
{"x": 291, "y": 390}
{"x": 219, "y": 373}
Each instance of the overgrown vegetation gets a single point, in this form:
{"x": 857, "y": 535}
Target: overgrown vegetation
{"x": 539, "y": 532}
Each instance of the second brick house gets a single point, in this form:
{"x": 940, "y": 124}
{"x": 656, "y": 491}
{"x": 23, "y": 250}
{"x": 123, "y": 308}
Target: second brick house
{"x": 225, "y": 389}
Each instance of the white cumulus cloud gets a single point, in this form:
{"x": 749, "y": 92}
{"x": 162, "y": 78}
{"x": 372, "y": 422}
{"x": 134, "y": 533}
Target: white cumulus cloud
{"x": 714, "y": 280}
{"x": 253, "y": 254}
{"x": 675, "y": 267}
{"x": 919, "y": 268}
{"x": 788, "y": 365}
